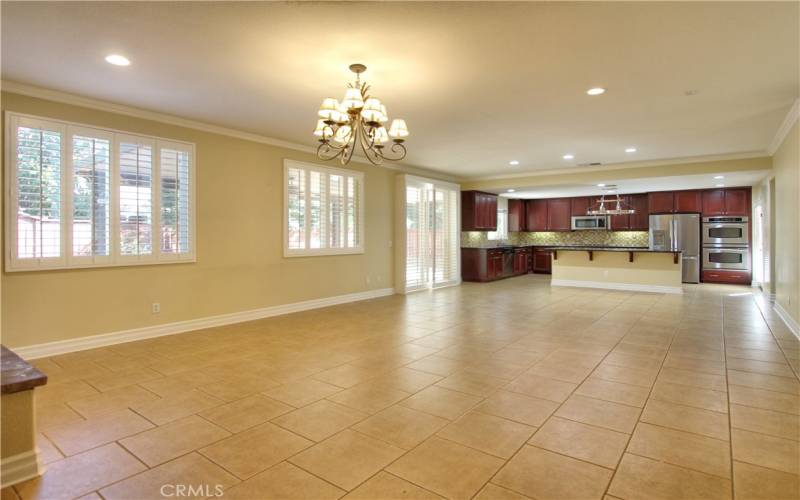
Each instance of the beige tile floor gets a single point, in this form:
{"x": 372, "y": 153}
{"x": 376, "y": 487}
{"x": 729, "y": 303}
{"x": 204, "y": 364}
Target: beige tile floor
{"x": 511, "y": 389}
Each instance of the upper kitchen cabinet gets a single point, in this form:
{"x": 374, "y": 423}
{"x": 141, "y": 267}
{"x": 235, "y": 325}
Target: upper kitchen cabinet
{"x": 661, "y": 202}
{"x": 559, "y": 214}
{"x": 579, "y": 206}
{"x": 536, "y": 211}
{"x": 737, "y": 201}
{"x": 620, "y": 222}
{"x": 517, "y": 218}
{"x": 640, "y": 219}
{"x": 726, "y": 202}
{"x": 478, "y": 211}
{"x": 688, "y": 201}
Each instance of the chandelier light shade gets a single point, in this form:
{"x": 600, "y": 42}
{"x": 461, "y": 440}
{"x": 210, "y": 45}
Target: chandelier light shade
{"x": 358, "y": 120}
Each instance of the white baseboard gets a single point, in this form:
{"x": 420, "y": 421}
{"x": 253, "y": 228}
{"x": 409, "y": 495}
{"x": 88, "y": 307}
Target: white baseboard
{"x": 90, "y": 342}
{"x": 631, "y": 287}
{"x": 783, "y": 314}
{"x": 20, "y": 467}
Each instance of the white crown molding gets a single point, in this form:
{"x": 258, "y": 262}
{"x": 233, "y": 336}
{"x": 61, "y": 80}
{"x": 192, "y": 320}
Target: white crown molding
{"x": 630, "y": 287}
{"x": 122, "y": 109}
{"x": 787, "y": 319}
{"x": 623, "y": 166}
{"x": 119, "y": 337}
{"x": 788, "y": 122}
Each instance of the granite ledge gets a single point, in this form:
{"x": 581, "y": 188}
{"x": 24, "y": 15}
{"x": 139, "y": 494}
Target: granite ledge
{"x": 17, "y": 374}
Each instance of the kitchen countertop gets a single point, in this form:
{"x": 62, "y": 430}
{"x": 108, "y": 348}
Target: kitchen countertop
{"x": 17, "y": 374}
{"x": 612, "y": 249}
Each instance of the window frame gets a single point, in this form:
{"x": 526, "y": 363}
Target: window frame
{"x": 67, "y": 260}
{"x": 315, "y": 252}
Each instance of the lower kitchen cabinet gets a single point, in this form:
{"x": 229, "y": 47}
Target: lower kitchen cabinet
{"x": 542, "y": 261}
{"x": 726, "y": 276}
{"x": 489, "y": 264}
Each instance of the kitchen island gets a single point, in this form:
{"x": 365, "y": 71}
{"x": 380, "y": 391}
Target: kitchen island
{"x": 635, "y": 269}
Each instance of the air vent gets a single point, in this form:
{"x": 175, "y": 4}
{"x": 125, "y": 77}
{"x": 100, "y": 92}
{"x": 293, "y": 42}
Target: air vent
{"x": 592, "y": 164}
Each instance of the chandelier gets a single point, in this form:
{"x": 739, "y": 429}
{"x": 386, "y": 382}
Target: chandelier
{"x": 616, "y": 201}
{"x": 359, "y": 119}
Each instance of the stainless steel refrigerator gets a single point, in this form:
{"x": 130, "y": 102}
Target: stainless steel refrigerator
{"x": 679, "y": 232}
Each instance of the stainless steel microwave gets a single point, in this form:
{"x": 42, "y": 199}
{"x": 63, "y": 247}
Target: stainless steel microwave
{"x": 587, "y": 222}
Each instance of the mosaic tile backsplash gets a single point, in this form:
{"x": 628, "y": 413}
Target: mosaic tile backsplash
{"x": 478, "y": 239}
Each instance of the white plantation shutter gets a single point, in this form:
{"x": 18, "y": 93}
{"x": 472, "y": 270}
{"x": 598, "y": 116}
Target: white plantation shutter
{"x": 136, "y": 195}
{"x": 175, "y": 223}
{"x": 447, "y": 236}
{"x": 90, "y": 196}
{"x": 82, "y": 196}
{"x": 37, "y": 201}
{"x": 432, "y": 234}
{"x": 323, "y": 210}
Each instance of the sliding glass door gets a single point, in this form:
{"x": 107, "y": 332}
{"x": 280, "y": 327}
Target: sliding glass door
{"x": 432, "y": 234}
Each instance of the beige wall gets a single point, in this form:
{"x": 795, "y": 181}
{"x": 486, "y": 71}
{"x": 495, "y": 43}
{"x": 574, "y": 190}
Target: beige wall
{"x": 651, "y": 269}
{"x": 239, "y": 246}
{"x": 786, "y": 164}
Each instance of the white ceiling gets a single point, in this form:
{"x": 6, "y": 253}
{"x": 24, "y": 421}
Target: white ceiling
{"x": 629, "y": 186}
{"x": 478, "y": 83}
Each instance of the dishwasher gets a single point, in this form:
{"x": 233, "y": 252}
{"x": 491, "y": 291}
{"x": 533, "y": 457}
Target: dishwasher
{"x": 508, "y": 262}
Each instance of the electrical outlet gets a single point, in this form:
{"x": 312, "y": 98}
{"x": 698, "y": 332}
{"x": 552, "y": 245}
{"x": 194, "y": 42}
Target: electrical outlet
{"x": 156, "y": 307}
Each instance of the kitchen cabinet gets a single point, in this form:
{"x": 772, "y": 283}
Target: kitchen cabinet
{"x": 726, "y": 202}
{"x": 542, "y": 263}
{"x": 536, "y": 211}
{"x": 489, "y": 264}
{"x": 726, "y": 276}
{"x": 559, "y": 214}
{"x": 687, "y": 202}
{"x": 640, "y": 219}
{"x": 579, "y": 206}
{"x": 620, "y": 222}
{"x": 478, "y": 211}
{"x": 662, "y": 202}
{"x": 737, "y": 202}
{"x": 522, "y": 257}
{"x": 517, "y": 218}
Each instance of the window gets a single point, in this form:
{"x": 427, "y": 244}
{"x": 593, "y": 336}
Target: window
{"x": 433, "y": 234}
{"x": 502, "y": 227}
{"x": 323, "y": 210}
{"x": 82, "y": 197}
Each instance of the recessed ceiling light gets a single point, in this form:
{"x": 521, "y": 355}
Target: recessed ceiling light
{"x": 601, "y": 185}
{"x": 514, "y": 162}
{"x": 568, "y": 157}
{"x": 596, "y": 91}
{"x": 719, "y": 177}
{"x": 117, "y": 60}
{"x": 720, "y": 185}
{"x": 630, "y": 150}
{"x": 510, "y": 190}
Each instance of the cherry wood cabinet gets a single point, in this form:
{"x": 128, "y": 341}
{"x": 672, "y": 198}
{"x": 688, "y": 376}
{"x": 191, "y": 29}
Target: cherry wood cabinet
{"x": 517, "y": 218}
{"x": 620, "y": 222}
{"x": 522, "y": 257}
{"x": 495, "y": 264}
{"x": 536, "y": 215}
{"x": 579, "y": 206}
{"x": 542, "y": 263}
{"x": 735, "y": 201}
{"x": 662, "y": 202}
{"x": 726, "y": 276}
{"x": 559, "y": 213}
{"x": 478, "y": 211}
{"x": 687, "y": 201}
{"x": 640, "y": 219}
